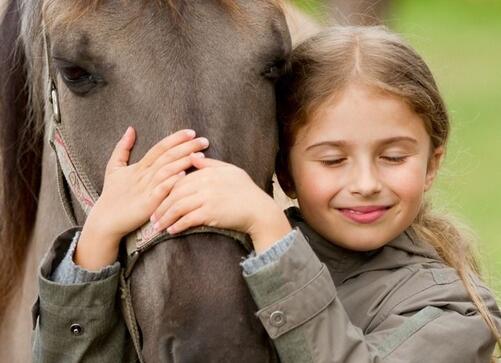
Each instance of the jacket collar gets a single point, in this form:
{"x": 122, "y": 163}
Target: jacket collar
{"x": 402, "y": 251}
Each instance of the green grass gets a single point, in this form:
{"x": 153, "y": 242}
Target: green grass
{"x": 461, "y": 42}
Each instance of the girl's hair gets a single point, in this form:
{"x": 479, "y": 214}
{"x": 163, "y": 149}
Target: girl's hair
{"x": 323, "y": 66}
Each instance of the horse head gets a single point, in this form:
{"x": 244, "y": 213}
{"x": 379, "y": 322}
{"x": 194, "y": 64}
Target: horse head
{"x": 161, "y": 66}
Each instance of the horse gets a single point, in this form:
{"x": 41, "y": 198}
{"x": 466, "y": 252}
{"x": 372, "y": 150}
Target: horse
{"x": 159, "y": 66}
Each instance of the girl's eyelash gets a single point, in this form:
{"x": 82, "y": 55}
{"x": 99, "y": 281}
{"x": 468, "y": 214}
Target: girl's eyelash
{"x": 332, "y": 161}
{"x": 394, "y": 159}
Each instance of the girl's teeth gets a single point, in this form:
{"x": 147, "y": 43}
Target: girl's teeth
{"x": 354, "y": 211}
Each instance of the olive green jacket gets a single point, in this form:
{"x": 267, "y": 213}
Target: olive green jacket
{"x": 318, "y": 302}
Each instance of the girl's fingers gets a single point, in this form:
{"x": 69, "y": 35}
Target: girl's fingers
{"x": 177, "y": 211}
{"x": 174, "y": 168}
{"x": 179, "y": 151}
{"x": 162, "y": 190}
{"x": 121, "y": 152}
{"x": 165, "y": 144}
{"x": 183, "y": 189}
{"x": 201, "y": 162}
{"x": 192, "y": 219}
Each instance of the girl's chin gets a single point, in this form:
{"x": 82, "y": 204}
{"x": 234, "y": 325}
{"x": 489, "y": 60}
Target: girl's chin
{"x": 361, "y": 239}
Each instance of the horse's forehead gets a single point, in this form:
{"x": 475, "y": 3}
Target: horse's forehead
{"x": 147, "y": 21}
{"x": 69, "y": 11}
{"x": 116, "y": 33}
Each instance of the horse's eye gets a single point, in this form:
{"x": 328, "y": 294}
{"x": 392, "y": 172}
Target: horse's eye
{"x": 79, "y": 80}
{"x": 274, "y": 70}
{"x": 74, "y": 74}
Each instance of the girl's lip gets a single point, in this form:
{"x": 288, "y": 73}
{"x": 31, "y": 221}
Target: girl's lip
{"x": 364, "y": 215}
{"x": 367, "y": 209}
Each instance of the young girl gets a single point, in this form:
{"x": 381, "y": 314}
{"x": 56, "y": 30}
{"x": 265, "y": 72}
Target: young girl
{"x": 362, "y": 271}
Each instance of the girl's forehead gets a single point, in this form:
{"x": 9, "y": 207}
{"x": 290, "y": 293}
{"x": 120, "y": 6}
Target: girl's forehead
{"x": 363, "y": 114}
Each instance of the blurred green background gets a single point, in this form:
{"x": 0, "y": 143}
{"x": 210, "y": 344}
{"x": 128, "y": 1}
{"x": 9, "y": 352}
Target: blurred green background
{"x": 461, "y": 42}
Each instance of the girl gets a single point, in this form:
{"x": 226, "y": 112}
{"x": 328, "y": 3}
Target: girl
{"x": 362, "y": 271}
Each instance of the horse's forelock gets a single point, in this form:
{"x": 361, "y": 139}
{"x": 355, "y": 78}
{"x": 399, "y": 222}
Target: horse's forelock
{"x": 80, "y": 8}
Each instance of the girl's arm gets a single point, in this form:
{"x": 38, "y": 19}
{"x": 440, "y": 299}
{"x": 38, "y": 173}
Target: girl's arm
{"x": 77, "y": 318}
{"x": 78, "y": 321}
{"x": 430, "y": 319}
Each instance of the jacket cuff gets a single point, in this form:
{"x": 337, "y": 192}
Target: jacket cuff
{"x": 256, "y": 262}
{"x": 63, "y": 305}
{"x": 291, "y": 290}
{"x": 97, "y": 292}
{"x": 67, "y": 272}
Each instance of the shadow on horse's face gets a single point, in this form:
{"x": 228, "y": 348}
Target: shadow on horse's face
{"x": 207, "y": 68}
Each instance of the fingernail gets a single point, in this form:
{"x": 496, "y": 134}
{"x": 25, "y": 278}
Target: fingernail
{"x": 204, "y": 141}
{"x": 153, "y": 219}
{"x": 156, "y": 226}
{"x": 128, "y": 130}
{"x": 171, "y": 230}
{"x": 190, "y": 132}
{"x": 198, "y": 155}
{"x": 183, "y": 173}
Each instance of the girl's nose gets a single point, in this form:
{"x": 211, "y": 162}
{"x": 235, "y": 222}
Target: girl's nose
{"x": 365, "y": 180}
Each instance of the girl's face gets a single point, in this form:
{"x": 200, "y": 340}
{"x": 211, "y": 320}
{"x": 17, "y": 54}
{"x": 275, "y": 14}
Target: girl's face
{"x": 361, "y": 167}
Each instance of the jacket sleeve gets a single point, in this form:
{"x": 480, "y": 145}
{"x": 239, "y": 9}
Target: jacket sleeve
{"x": 300, "y": 310}
{"x": 78, "y": 322}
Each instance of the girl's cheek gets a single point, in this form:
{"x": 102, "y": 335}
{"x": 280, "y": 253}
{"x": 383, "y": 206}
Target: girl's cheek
{"x": 319, "y": 183}
{"x": 408, "y": 181}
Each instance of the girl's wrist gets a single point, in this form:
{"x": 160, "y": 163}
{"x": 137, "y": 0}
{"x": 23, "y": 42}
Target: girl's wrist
{"x": 97, "y": 246}
{"x": 95, "y": 250}
{"x": 271, "y": 226}
{"x": 98, "y": 225}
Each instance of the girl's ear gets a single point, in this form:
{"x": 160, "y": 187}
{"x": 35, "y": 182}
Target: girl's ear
{"x": 433, "y": 166}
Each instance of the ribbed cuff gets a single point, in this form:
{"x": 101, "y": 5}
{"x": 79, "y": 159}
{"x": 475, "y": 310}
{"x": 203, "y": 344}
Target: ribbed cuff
{"x": 254, "y": 262}
{"x": 68, "y": 273}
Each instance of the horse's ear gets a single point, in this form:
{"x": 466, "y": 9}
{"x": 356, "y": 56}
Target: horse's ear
{"x": 19, "y": 154}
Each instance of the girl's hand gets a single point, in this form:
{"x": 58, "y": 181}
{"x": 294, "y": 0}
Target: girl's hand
{"x": 132, "y": 192}
{"x": 222, "y": 195}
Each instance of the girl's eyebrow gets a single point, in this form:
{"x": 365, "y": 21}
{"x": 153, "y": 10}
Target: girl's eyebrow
{"x": 341, "y": 143}
{"x": 392, "y": 140}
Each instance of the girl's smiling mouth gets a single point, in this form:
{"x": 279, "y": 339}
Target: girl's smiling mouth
{"x": 364, "y": 215}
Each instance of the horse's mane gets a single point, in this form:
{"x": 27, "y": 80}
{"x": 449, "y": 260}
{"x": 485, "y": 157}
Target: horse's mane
{"x": 20, "y": 156}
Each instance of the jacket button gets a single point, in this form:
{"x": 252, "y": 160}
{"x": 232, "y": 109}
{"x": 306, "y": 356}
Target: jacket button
{"x": 277, "y": 318}
{"x": 76, "y": 329}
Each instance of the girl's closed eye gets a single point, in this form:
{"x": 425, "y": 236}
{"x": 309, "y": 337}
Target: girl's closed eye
{"x": 332, "y": 161}
{"x": 338, "y": 161}
{"x": 394, "y": 159}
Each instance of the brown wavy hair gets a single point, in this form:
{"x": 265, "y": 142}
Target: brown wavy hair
{"x": 323, "y": 66}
